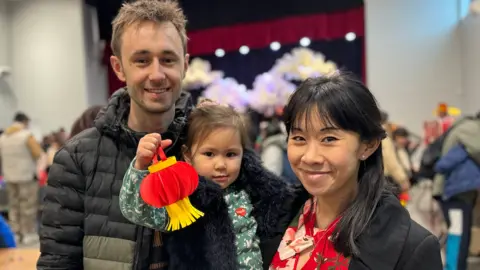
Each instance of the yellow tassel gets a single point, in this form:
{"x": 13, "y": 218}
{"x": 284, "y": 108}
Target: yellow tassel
{"x": 182, "y": 214}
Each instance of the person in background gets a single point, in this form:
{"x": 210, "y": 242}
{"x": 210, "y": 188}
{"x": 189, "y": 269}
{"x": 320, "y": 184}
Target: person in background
{"x": 422, "y": 208}
{"x": 456, "y": 185}
{"x": 260, "y": 136}
{"x": 273, "y": 147}
{"x": 57, "y": 143}
{"x": 85, "y": 121}
{"x": 19, "y": 151}
{"x": 402, "y": 138}
{"x": 47, "y": 140}
{"x": 445, "y": 120}
{"x": 62, "y": 135}
{"x": 82, "y": 224}
{"x": 394, "y": 171}
{"x": 404, "y": 150}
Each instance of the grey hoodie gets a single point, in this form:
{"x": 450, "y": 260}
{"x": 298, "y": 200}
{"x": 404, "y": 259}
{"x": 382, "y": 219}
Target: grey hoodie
{"x": 273, "y": 149}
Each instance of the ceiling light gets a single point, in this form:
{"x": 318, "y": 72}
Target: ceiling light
{"x": 244, "y": 49}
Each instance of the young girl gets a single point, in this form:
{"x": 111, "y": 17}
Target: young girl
{"x": 241, "y": 200}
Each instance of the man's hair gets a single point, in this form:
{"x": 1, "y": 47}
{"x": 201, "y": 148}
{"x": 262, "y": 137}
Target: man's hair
{"x": 400, "y": 132}
{"x": 21, "y": 117}
{"x": 147, "y": 10}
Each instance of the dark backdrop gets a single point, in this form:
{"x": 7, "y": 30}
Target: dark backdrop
{"x": 203, "y": 14}
{"x": 230, "y": 24}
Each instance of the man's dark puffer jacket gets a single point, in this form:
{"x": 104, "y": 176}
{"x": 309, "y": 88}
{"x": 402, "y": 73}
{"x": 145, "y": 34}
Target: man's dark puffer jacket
{"x": 82, "y": 225}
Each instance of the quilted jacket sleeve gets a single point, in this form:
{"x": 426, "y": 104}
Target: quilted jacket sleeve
{"x": 61, "y": 232}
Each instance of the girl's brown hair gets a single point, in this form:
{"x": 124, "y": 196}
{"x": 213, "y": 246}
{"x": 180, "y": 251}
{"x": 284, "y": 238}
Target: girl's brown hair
{"x": 207, "y": 118}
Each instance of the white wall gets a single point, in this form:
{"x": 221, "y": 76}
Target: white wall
{"x": 56, "y": 64}
{"x": 414, "y": 57}
{"x": 48, "y": 61}
{"x": 7, "y": 100}
{"x": 97, "y": 80}
{"x": 3, "y": 33}
{"x": 470, "y": 40}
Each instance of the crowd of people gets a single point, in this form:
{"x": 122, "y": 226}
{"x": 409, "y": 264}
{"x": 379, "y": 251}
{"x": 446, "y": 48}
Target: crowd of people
{"x": 25, "y": 164}
{"x": 319, "y": 188}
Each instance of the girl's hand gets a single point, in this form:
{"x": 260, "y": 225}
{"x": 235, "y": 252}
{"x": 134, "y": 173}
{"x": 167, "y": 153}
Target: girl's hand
{"x": 147, "y": 149}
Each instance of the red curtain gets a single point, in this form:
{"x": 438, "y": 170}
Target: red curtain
{"x": 260, "y": 34}
{"x": 286, "y": 31}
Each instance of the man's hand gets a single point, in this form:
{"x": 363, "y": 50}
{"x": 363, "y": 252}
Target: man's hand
{"x": 147, "y": 149}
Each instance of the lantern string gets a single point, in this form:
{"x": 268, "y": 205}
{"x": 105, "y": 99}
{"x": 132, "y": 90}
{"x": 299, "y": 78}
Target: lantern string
{"x": 160, "y": 154}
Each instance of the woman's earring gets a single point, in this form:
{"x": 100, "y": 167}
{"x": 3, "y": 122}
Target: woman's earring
{"x": 363, "y": 157}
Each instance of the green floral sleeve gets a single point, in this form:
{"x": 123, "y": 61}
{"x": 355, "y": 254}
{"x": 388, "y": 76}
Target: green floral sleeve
{"x": 134, "y": 208}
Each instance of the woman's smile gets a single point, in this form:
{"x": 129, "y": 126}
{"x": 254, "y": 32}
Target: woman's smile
{"x": 315, "y": 175}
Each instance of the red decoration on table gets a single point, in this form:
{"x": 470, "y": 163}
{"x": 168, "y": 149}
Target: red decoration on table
{"x": 168, "y": 185}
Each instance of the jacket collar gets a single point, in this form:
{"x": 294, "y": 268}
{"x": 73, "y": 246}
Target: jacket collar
{"x": 382, "y": 243}
{"x": 111, "y": 120}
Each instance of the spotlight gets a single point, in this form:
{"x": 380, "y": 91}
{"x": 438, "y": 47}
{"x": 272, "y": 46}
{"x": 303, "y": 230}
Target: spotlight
{"x": 350, "y": 36}
{"x": 244, "y": 49}
{"x": 305, "y": 42}
{"x": 275, "y": 46}
{"x": 219, "y": 52}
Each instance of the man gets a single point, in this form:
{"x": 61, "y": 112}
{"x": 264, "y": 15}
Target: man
{"x": 405, "y": 148}
{"x": 458, "y": 209}
{"x": 82, "y": 225}
{"x": 19, "y": 151}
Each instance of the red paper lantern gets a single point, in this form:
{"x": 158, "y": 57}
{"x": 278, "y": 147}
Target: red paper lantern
{"x": 168, "y": 185}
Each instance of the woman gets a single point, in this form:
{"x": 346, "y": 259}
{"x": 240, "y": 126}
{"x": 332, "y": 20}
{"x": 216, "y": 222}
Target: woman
{"x": 352, "y": 220}
{"x": 86, "y": 120}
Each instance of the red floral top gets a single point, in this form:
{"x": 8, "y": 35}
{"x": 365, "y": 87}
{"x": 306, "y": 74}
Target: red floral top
{"x": 302, "y": 235}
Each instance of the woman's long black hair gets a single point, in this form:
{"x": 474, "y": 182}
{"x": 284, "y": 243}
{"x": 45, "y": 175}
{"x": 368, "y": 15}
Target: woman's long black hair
{"x": 343, "y": 101}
